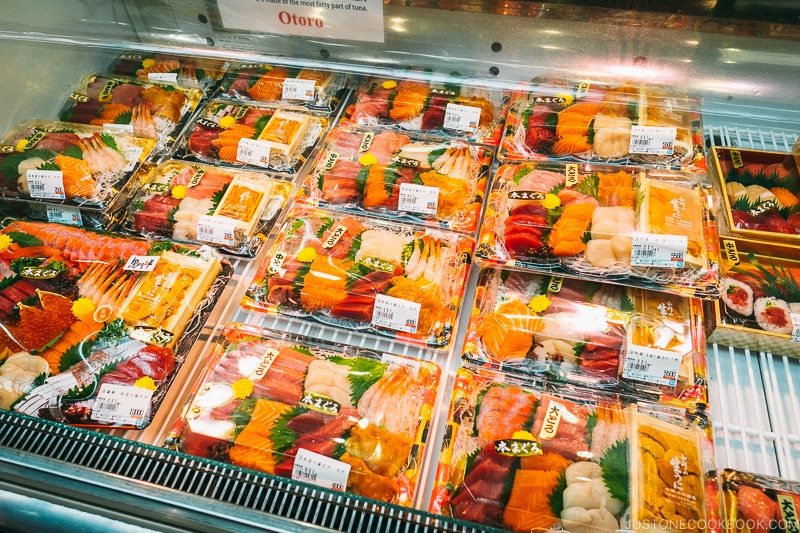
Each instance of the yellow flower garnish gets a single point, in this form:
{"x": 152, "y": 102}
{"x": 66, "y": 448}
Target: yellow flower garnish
{"x": 551, "y": 201}
{"x": 82, "y": 307}
{"x": 21, "y": 145}
{"x": 5, "y": 242}
{"x": 389, "y": 84}
{"x": 523, "y": 435}
{"x": 368, "y": 159}
{"x": 539, "y": 303}
{"x": 149, "y": 62}
{"x": 145, "y": 382}
{"x": 227, "y": 121}
{"x": 179, "y": 192}
{"x": 307, "y": 255}
{"x": 242, "y": 388}
{"x": 567, "y": 99}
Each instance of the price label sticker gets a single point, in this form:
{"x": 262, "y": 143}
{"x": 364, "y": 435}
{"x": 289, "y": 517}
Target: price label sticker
{"x": 795, "y": 327}
{"x": 652, "y": 365}
{"x": 396, "y": 313}
{"x": 462, "y": 118}
{"x": 317, "y": 469}
{"x": 216, "y": 229}
{"x": 46, "y": 184}
{"x": 118, "y": 128}
{"x": 132, "y": 155}
{"x": 141, "y": 263}
{"x": 63, "y": 214}
{"x": 418, "y": 199}
{"x": 121, "y": 404}
{"x": 253, "y": 151}
{"x": 169, "y": 77}
{"x": 652, "y": 140}
{"x": 652, "y": 250}
{"x": 294, "y": 89}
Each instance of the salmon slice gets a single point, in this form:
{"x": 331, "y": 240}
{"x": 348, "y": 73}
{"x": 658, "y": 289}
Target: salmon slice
{"x": 253, "y": 447}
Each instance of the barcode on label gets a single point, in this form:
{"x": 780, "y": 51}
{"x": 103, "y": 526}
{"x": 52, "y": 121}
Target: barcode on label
{"x": 646, "y": 252}
{"x": 107, "y": 406}
{"x": 34, "y": 186}
{"x": 384, "y": 315}
{"x": 639, "y": 366}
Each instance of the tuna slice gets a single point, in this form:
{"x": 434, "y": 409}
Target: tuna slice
{"x": 480, "y": 496}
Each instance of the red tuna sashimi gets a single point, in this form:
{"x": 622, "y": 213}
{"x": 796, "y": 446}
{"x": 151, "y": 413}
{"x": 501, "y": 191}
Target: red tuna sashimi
{"x": 503, "y": 411}
{"x": 371, "y": 106}
{"x": 539, "y": 137}
{"x": 6, "y": 306}
{"x": 757, "y": 508}
{"x": 152, "y": 222}
{"x": 355, "y": 307}
{"x": 386, "y": 144}
{"x": 320, "y": 441}
{"x": 565, "y": 427}
{"x": 152, "y": 361}
{"x": 523, "y": 244}
{"x": 480, "y": 496}
{"x": 600, "y": 359}
{"x": 200, "y": 140}
{"x": 160, "y": 203}
{"x": 57, "y": 142}
{"x": 127, "y": 94}
{"x": 252, "y": 115}
{"x": 404, "y": 175}
{"x": 309, "y": 422}
{"x": 433, "y": 118}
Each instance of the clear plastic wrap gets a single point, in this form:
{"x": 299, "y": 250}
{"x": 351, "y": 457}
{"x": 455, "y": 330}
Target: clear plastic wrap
{"x": 272, "y": 401}
{"x": 156, "y": 110}
{"x": 400, "y": 281}
{"x": 229, "y": 209}
{"x": 408, "y": 178}
{"x": 646, "y": 343}
{"x": 69, "y": 164}
{"x": 626, "y": 124}
{"x": 522, "y": 458}
{"x": 642, "y": 227}
{"x": 759, "y": 306}
{"x": 260, "y": 82}
{"x": 197, "y": 73}
{"x": 472, "y": 113}
{"x": 754, "y": 503}
{"x": 242, "y": 135}
{"x": 105, "y": 319}
{"x": 758, "y": 194}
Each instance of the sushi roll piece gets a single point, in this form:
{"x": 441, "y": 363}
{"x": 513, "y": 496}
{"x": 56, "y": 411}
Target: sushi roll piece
{"x": 773, "y": 315}
{"x": 738, "y": 296}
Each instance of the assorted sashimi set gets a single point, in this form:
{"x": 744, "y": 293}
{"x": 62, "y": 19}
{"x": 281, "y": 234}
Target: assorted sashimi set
{"x": 759, "y": 504}
{"x": 647, "y": 228}
{"x": 227, "y": 208}
{"x": 270, "y": 403}
{"x": 278, "y": 139}
{"x": 587, "y": 256}
{"x": 472, "y": 113}
{"x": 362, "y": 274}
{"x": 401, "y": 177}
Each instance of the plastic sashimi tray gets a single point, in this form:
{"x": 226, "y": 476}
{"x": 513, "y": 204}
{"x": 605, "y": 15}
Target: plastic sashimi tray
{"x": 758, "y": 194}
{"x": 759, "y": 305}
{"x": 241, "y": 135}
{"x": 229, "y": 209}
{"x": 400, "y": 281}
{"x": 69, "y": 164}
{"x": 471, "y": 113}
{"x": 198, "y": 73}
{"x": 98, "y": 323}
{"x": 646, "y": 343}
{"x": 625, "y": 124}
{"x": 156, "y": 110}
{"x": 641, "y": 227}
{"x": 521, "y": 458}
{"x": 757, "y": 503}
{"x": 405, "y": 177}
{"x": 260, "y": 82}
{"x": 335, "y": 416}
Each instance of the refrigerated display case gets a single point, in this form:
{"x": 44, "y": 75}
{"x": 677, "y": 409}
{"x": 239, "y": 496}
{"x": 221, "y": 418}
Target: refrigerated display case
{"x": 743, "y": 67}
